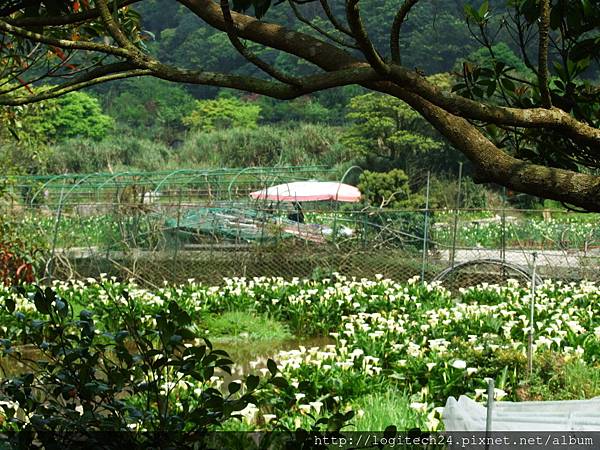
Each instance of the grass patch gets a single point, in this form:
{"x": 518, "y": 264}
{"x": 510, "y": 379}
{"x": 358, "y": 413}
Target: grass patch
{"x": 375, "y": 412}
{"x": 555, "y": 378}
{"x": 243, "y": 326}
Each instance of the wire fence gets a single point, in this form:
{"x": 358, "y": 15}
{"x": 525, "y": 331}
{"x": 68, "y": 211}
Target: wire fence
{"x": 157, "y": 227}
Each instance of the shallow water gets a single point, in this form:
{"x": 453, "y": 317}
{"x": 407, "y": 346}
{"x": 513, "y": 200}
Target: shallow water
{"x": 241, "y": 352}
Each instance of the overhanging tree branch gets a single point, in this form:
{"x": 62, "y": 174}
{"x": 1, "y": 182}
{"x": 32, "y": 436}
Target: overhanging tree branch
{"x": 70, "y": 19}
{"x": 242, "y": 50}
{"x": 362, "y": 38}
{"x": 396, "y": 26}
{"x": 330, "y": 57}
{"x": 449, "y": 113}
{"x": 318, "y": 29}
{"x": 544, "y": 27}
{"x": 62, "y": 43}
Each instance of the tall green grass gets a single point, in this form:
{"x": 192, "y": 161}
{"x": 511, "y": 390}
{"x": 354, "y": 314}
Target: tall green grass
{"x": 267, "y": 145}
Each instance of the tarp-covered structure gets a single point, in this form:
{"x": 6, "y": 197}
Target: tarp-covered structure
{"x": 570, "y": 415}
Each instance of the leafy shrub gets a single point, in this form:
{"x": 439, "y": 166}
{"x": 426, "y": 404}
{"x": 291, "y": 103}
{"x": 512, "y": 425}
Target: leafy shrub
{"x": 154, "y": 382}
{"x": 301, "y": 144}
{"x": 113, "y": 153}
{"x": 305, "y": 109}
{"x": 74, "y": 115}
{"x": 224, "y": 112}
{"x": 21, "y": 254}
{"x": 150, "y": 103}
{"x": 386, "y": 189}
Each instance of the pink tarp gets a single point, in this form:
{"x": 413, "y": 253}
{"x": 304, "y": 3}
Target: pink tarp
{"x": 309, "y": 191}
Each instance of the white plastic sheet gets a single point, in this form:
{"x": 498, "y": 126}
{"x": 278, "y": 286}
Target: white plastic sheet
{"x": 573, "y": 415}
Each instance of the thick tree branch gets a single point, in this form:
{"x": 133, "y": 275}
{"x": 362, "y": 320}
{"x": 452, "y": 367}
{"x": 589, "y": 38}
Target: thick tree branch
{"x": 318, "y": 29}
{"x": 544, "y": 27}
{"x": 396, "y": 26}
{"x": 311, "y": 49}
{"x": 242, "y": 50}
{"x": 278, "y": 90}
{"x": 362, "y": 38}
{"x": 447, "y": 112}
{"x": 494, "y": 165}
{"x": 63, "y": 43}
{"x": 470, "y": 109}
{"x": 114, "y": 29}
{"x": 330, "y": 57}
{"x": 334, "y": 21}
{"x": 282, "y": 91}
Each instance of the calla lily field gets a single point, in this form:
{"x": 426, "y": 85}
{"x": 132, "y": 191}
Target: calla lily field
{"x": 353, "y": 339}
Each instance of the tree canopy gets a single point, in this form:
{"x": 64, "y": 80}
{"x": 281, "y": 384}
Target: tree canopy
{"x": 527, "y": 120}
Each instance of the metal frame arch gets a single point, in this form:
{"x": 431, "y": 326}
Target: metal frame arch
{"x": 173, "y": 173}
{"x": 496, "y": 262}
{"x": 41, "y": 189}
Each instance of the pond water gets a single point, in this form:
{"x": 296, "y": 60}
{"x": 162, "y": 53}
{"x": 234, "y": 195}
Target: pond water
{"x": 241, "y": 352}
{"x": 251, "y": 356}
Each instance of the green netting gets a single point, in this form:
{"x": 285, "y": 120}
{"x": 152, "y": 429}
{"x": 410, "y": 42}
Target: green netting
{"x": 246, "y": 225}
{"x": 171, "y": 226}
{"x": 56, "y": 191}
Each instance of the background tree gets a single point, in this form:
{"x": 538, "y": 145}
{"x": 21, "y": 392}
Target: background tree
{"x": 209, "y": 115}
{"x": 77, "y": 114}
{"x": 541, "y": 138}
{"x": 389, "y": 134}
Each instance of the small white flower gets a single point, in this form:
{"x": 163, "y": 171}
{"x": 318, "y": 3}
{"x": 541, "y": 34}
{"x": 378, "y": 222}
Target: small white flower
{"x": 459, "y": 364}
{"x": 417, "y": 406}
{"x": 269, "y": 417}
{"x": 317, "y": 406}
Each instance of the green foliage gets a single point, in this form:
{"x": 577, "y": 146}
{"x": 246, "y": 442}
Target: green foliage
{"x": 223, "y": 112}
{"x": 305, "y": 109}
{"x": 149, "y": 103}
{"x": 243, "y": 325}
{"x": 387, "y": 189}
{"x": 299, "y": 144}
{"x": 389, "y": 134}
{"x": 386, "y": 337}
{"x": 443, "y": 194}
{"x": 434, "y": 37}
{"x": 266, "y": 145}
{"x": 89, "y": 380}
{"x": 500, "y": 77}
{"x": 562, "y": 379}
{"x": 22, "y": 151}
{"x": 23, "y": 252}
{"x": 75, "y": 115}
{"x": 502, "y": 53}
{"x": 116, "y": 152}
{"x": 377, "y": 411}
{"x": 141, "y": 373}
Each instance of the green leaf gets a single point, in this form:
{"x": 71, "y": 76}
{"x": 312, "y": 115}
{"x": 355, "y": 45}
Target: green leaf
{"x": 484, "y": 9}
{"x": 234, "y": 387}
{"x": 40, "y": 302}
{"x": 272, "y": 366}
{"x": 252, "y": 382}
{"x": 10, "y": 304}
{"x": 471, "y": 13}
{"x": 280, "y": 382}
